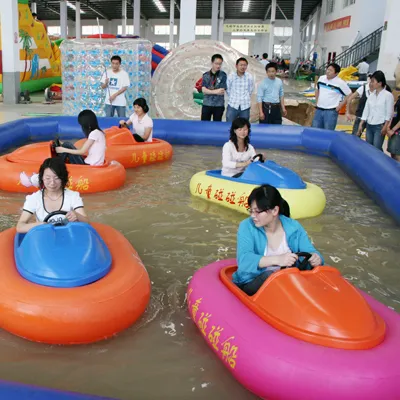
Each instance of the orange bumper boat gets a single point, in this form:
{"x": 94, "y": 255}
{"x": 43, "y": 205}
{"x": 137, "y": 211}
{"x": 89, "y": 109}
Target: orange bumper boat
{"x": 82, "y": 178}
{"x": 122, "y": 147}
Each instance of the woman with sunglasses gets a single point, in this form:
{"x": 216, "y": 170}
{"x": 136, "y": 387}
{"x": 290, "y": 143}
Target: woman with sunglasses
{"x": 52, "y": 196}
{"x": 268, "y": 240}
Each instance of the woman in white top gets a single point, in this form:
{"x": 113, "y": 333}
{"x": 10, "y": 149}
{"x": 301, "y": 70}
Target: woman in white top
{"x": 142, "y": 123}
{"x": 378, "y": 111}
{"x": 95, "y": 145}
{"x": 52, "y": 196}
{"x": 238, "y": 153}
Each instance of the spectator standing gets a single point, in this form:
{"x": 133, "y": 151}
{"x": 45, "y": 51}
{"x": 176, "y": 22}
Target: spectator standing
{"x": 270, "y": 97}
{"x": 363, "y": 92}
{"x": 378, "y": 111}
{"x": 363, "y": 69}
{"x": 116, "y": 82}
{"x": 330, "y": 95}
{"x": 214, "y": 87}
{"x": 240, "y": 86}
{"x": 394, "y": 133}
{"x": 264, "y": 60}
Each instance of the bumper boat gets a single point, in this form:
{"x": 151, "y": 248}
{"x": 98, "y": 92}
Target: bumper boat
{"x": 326, "y": 340}
{"x": 305, "y": 199}
{"x": 122, "y": 147}
{"x": 70, "y": 284}
{"x": 82, "y": 178}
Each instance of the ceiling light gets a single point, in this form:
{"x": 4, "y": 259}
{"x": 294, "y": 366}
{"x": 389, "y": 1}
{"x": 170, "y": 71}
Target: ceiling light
{"x": 246, "y": 6}
{"x": 70, "y": 5}
{"x": 159, "y": 5}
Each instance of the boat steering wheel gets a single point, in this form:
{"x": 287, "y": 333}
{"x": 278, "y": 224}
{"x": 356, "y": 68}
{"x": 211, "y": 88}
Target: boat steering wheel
{"x": 302, "y": 265}
{"x": 55, "y": 143}
{"x": 258, "y": 157}
{"x": 56, "y": 223}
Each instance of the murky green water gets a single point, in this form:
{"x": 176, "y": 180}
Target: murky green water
{"x": 163, "y": 356}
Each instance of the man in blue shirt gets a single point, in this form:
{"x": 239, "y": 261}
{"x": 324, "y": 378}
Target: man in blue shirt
{"x": 213, "y": 88}
{"x": 270, "y": 97}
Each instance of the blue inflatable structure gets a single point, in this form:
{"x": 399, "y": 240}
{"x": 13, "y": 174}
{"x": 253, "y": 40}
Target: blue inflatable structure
{"x": 40, "y": 255}
{"x": 377, "y": 174}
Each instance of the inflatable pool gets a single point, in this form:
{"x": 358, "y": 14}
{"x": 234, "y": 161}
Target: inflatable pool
{"x": 367, "y": 169}
{"x": 305, "y": 199}
{"x": 100, "y": 289}
{"x": 122, "y": 147}
{"x": 82, "y": 178}
{"x": 343, "y": 346}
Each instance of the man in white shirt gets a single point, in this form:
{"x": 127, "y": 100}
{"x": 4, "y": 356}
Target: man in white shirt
{"x": 264, "y": 60}
{"x": 363, "y": 69}
{"x": 330, "y": 95}
{"x": 240, "y": 86}
{"x": 115, "y": 82}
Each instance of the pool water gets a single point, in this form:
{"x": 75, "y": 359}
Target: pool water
{"x": 163, "y": 356}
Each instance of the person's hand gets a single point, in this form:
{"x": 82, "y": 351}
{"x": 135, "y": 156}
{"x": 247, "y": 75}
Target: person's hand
{"x": 220, "y": 91}
{"x": 390, "y": 133}
{"x": 350, "y": 117}
{"x": 106, "y": 81}
{"x": 262, "y": 116}
{"x": 315, "y": 260}
{"x": 59, "y": 149}
{"x": 122, "y": 122}
{"x": 284, "y": 111}
{"x": 383, "y": 131}
{"x": 72, "y": 216}
{"x": 338, "y": 108}
{"x": 287, "y": 260}
{"x": 113, "y": 97}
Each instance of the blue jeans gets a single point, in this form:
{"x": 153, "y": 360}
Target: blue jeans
{"x": 325, "y": 119}
{"x": 110, "y": 110}
{"x": 374, "y": 136}
{"x": 232, "y": 113}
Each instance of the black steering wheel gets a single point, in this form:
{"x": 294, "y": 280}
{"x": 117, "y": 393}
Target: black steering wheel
{"x": 55, "y": 143}
{"x": 258, "y": 157}
{"x": 56, "y": 223}
{"x": 302, "y": 265}
{"x": 124, "y": 125}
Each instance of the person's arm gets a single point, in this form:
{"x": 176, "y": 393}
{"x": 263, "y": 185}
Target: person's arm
{"x": 346, "y": 93}
{"x": 147, "y": 132}
{"x": 104, "y": 81}
{"x": 83, "y": 150}
{"x": 77, "y": 215}
{"x": 260, "y": 95}
{"x": 305, "y": 245}
{"x": 24, "y": 224}
{"x": 227, "y": 158}
{"x": 116, "y": 94}
{"x": 364, "y": 118}
{"x": 389, "y": 104}
{"x": 349, "y": 100}
{"x": 342, "y": 103}
{"x": 229, "y": 84}
{"x": 391, "y": 131}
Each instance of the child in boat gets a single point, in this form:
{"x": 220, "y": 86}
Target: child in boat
{"x": 95, "y": 146}
{"x": 268, "y": 240}
{"x": 238, "y": 153}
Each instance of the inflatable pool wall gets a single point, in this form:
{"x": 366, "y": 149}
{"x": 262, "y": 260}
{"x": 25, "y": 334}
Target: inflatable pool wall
{"x": 376, "y": 173}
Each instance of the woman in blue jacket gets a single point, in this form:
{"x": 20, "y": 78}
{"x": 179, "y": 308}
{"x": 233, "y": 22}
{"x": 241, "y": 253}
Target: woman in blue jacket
{"x": 268, "y": 240}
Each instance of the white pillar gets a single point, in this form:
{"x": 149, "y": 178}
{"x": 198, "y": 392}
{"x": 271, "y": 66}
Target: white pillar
{"x": 295, "y": 50}
{"x": 187, "y": 21}
{"x": 214, "y": 20}
{"x": 10, "y": 51}
{"x": 34, "y": 7}
{"x": 271, "y": 31}
{"x": 317, "y": 23}
{"x": 78, "y": 27}
{"x": 221, "y": 20}
{"x": 171, "y": 23}
{"x": 136, "y": 17}
{"x": 63, "y": 19}
{"x": 123, "y": 17}
{"x": 389, "y": 52}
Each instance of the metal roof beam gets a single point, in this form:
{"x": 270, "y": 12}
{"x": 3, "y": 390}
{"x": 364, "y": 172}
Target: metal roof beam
{"x": 92, "y": 7}
{"x": 55, "y": 11}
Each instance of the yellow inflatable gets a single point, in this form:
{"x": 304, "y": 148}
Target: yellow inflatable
{"x": 40, "y": 63}
{"x": 346, "y": 74}
{"x": 304, "y": 203}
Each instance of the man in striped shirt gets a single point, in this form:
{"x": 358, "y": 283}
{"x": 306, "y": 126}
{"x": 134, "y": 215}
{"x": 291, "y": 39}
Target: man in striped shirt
{"x": 240, "y": 87}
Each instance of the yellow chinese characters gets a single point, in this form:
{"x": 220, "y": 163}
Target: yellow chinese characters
{"x": 82, "y": 184}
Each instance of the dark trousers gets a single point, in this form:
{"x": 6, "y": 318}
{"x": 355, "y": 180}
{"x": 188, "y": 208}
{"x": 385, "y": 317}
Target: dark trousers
{"x": 251, "y": 288}
{"x": 272, "y": 113}
{"x": 209, "y": 111}
{"x": 71, "y": 158}
{"x": 138, "y": 138}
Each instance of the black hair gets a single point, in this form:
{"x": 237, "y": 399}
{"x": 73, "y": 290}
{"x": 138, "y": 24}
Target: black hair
{"x": 238, "y": 123}
{"x": 34, "y": 15}
{"x": 57, "y": 165}
{"x": 265, "y": 56}
{"x": 241, "y": 59}
{"x": 267, "y": 197}
{"x": 271, "y": 65}
{"x": 216, "y": 57}
{"x": 141, "y": 102}
{"x": 364, "y": 59}
{"x": 335, "y": 66}
{"x": 118, "y": 58}
{"x": 379, "y": 76}
{"x": 88, "y": 121}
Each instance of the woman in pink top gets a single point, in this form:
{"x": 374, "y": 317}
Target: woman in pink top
{"x": 95, "y": 145}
